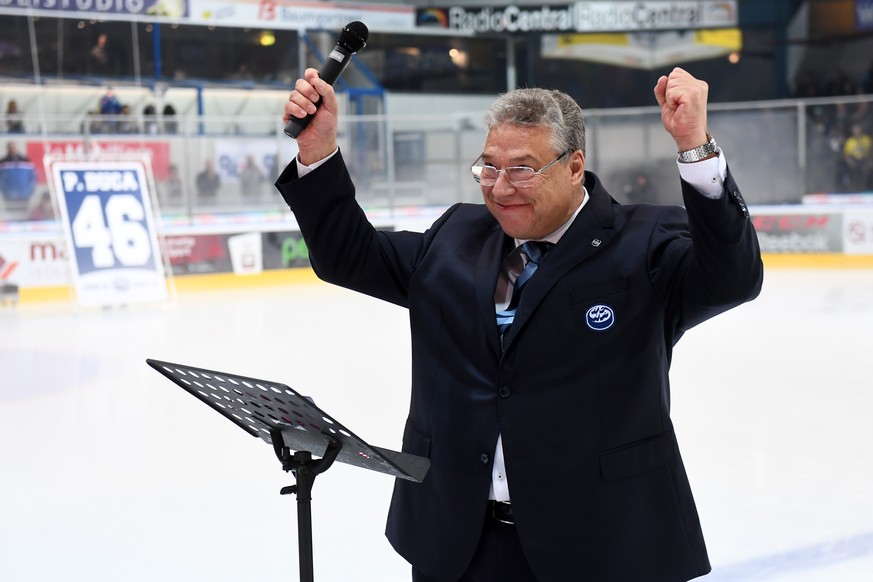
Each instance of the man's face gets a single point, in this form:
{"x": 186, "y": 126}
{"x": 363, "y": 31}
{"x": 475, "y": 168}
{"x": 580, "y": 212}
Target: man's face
{"x": 538, "y": 210}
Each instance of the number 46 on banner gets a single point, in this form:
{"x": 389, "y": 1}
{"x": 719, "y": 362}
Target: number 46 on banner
{"x": 106, "y": 211}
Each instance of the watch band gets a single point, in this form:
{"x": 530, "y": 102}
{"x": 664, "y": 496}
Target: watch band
{"x": 700, "y": 152}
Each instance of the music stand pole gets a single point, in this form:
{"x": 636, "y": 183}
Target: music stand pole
{"x": 304, "y": 470}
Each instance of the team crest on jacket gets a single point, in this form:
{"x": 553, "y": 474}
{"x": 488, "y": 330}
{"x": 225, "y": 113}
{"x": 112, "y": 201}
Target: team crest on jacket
{"x": 600, "y": 317}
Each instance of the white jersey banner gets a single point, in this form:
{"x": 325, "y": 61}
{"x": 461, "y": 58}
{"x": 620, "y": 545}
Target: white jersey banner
{"x": 106, "y": 211}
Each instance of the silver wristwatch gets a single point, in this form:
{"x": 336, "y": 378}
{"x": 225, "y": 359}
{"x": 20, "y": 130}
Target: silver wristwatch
{"x": 700, "y": 152}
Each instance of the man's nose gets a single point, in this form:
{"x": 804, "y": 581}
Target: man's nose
{"x": 502, "y": 186}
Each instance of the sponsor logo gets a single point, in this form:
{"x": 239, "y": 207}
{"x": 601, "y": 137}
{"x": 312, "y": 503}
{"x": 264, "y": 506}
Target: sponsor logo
{"x": 856, "y": 232}
{"x": 46, "y": 251}
{"x": 600, "y": 317}
{"x": 6, "y": 268}
{"x": 512, "y": 19}
{"x": 721, "y": 12}
{"x": 791, "y": 222}
{"x": 435, "y": 17}
{"x": 799, "y": 233}
{"x": 294, "y": 251}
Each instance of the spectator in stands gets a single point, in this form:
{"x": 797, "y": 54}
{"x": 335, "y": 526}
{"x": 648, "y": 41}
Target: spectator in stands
{"x": 110, "y": 106}
{"x": 824, "y": 157}
{"x": 109, "y": 103}
{"x": 12, "y": 154}
{"x": 861, "y": 112}
{"x": 170, "y": 123}
{"x": 17, "y": 174}
{"x": 806, "y": 86}
{"x": 251, "y": 178}
{"x": 840, "y": 119}
{"x": 840, "y": 83}
{"x": 14, "y": 118}
{"x": 639, "y": 190}
{"x": 173, "y": 185}
{"x": 100, "y": 59}
{"x": 44, "y": 209}
{"x": 866, "y": 83}
{"x": 242, "y": 73}
{"x": 150, "y": 120}
{"x": 126, "y": 122}
{"x": 208, "y": 182}
{"x": 858, "y": 156}
{"x": 92, "y": 122}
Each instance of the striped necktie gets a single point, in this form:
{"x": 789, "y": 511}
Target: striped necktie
{"x": 535, "y": 251}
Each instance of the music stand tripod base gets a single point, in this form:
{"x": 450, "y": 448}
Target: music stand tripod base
{"x": 290, "y": 422}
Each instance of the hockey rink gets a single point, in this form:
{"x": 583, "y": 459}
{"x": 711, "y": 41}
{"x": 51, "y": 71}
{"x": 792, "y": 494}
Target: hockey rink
{"x": 109, "y": 472}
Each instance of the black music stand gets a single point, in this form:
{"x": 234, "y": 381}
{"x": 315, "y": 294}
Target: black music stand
{"x": 289, "y": 421}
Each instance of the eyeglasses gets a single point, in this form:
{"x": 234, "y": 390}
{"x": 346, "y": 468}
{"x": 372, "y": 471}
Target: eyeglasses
{"x": 518, "y": 176}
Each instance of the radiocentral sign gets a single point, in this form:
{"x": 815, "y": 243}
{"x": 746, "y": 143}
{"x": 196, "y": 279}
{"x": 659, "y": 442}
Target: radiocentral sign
{"x": 499, "y": 19}
{"x": 583, "y": 17}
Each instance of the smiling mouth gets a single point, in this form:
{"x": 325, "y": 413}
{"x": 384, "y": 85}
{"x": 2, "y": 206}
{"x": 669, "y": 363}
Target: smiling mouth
{"x": 509, "y": 206}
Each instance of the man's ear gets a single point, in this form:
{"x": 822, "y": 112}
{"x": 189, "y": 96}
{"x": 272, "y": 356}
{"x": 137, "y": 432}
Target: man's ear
{"x": 577, "y": 166}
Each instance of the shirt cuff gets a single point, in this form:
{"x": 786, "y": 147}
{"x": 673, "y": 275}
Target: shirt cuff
{"x": 706, "y": 176}
{"x": 302, "y": 169}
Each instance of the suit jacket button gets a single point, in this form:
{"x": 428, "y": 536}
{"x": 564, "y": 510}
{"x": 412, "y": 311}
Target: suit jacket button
{"x": 504, "y": 391}
{"x": 484, "y": 458}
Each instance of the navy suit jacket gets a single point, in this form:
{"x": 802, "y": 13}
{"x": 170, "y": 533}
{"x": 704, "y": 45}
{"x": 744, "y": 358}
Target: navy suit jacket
{"x": 580, "y": 391}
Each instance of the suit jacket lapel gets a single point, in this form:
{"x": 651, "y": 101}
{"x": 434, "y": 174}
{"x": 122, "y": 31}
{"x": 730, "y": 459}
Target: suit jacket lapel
{"x": 592, "y": 230}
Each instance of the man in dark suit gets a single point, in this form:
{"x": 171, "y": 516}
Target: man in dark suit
{"x": 545, "y": 417}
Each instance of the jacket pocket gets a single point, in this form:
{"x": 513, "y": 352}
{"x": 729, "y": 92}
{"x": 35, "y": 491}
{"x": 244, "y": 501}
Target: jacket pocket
{"x": 601, "y": 289}
{"x": 415, "y": 442}
{"x": 637, "y": 457}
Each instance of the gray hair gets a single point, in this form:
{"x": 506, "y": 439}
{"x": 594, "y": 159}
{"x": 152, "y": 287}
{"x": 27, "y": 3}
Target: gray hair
{"x": 550, "y": 108}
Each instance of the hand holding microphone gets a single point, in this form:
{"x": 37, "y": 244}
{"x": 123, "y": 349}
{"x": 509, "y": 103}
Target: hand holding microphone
{"x": 352, "y": 38}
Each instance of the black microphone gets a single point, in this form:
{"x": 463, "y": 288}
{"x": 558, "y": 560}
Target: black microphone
{"x": 352, "y": 38}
